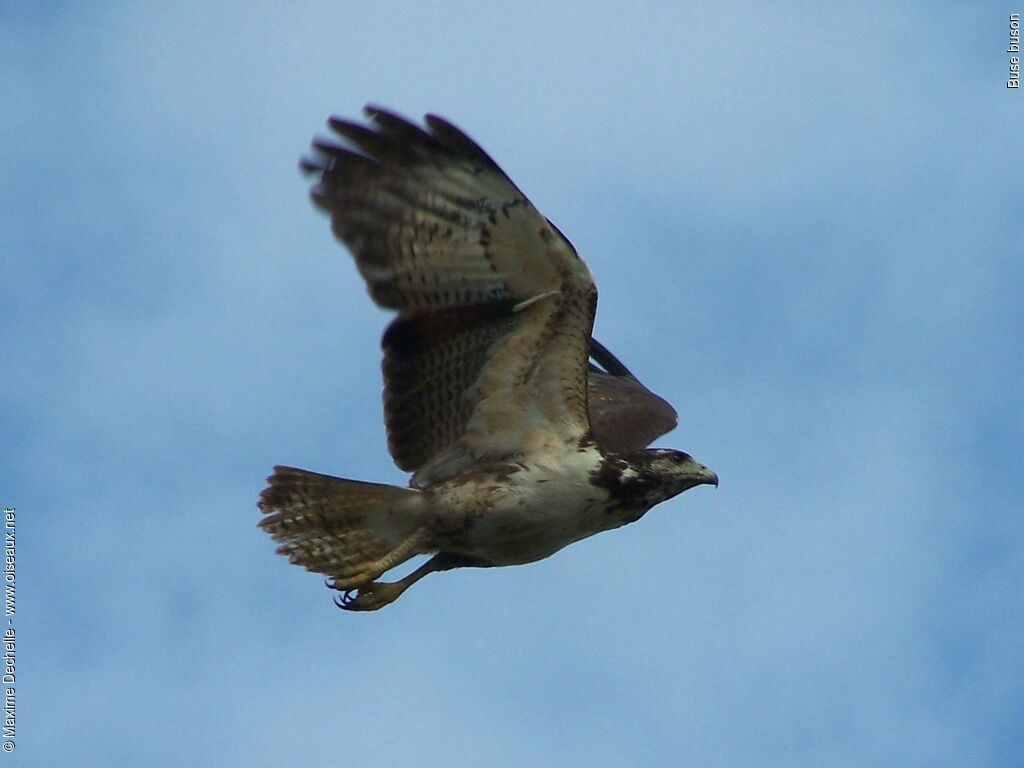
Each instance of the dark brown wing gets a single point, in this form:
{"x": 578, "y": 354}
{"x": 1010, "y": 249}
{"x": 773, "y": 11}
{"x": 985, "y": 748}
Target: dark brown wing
{"x": 488, "y": 356}
{"x": 625, "y": 416}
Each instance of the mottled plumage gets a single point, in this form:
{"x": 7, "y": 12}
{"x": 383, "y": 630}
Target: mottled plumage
{"x": 517, "y": 445}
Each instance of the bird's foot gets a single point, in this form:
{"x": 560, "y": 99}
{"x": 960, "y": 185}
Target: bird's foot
{"x": 370, "y": 597}
{"x": 370, "y": 571}
{"x": 353, "y": 581}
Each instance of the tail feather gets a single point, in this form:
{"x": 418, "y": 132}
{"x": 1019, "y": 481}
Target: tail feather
{"x": 334, "y": 526}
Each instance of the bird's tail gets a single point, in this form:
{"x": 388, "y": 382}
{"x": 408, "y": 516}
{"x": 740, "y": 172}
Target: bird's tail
{"x": 333, "y": 526}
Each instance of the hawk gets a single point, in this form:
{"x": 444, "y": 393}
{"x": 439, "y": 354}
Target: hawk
{"x": 519, "y": 445}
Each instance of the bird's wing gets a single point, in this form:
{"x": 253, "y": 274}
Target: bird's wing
{"x": 625, "y": 416}
{"x": 487, "y": 358}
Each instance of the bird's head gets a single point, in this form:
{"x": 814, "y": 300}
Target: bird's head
{"x": 641, "y": 479}
{"x": 677, "y": 470}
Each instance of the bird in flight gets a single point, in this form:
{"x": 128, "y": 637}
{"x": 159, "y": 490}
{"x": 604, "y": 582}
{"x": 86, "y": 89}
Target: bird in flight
{"x": 522, "y": 432}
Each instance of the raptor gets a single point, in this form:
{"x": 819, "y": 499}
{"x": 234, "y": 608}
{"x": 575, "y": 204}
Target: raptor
{"x": 522, "y": 433}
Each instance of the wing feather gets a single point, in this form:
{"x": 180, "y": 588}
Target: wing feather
{"x": 488, "y": 356}
{"x": 625, "y": 416}
{"x": 426, "y": 357}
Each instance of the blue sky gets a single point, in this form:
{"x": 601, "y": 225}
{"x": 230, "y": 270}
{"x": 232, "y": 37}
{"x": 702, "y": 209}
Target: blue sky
{"x": 806, "y": 228}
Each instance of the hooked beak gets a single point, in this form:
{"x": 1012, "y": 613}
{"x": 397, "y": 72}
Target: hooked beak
{"x": 707, "y": 476}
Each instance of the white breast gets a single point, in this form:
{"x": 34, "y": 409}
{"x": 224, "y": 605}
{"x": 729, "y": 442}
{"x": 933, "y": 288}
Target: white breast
{"x": 527, "y": 514}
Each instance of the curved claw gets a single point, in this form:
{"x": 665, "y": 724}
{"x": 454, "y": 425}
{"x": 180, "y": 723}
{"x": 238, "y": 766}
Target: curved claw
{"x": 347, "y": 600}
{"x": 372, "y": 596}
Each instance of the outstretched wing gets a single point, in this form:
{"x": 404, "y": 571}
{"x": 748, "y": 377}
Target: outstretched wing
{"x": 487, "y": 358}
{"x": 625, "y": 416}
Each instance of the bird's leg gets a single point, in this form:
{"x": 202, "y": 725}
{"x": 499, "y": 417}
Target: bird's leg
{"x": 375, "y": 568}
{"x": 370, "y": 597}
